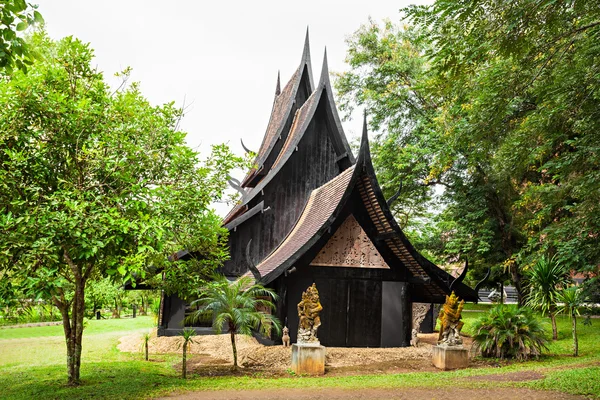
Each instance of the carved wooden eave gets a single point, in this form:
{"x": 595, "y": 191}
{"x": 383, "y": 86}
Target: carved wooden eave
{"x": 350, "y": 246}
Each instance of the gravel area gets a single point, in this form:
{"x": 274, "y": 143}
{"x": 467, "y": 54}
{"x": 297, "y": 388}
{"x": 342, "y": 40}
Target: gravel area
{"x": 277, "y": 358}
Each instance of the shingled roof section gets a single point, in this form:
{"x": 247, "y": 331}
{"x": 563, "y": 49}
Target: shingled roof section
{"x": 321, "y": 205}
{"x": 301, "y": 119}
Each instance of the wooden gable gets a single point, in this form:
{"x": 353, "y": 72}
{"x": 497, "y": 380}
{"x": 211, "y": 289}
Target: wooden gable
{"x": 349, "y": 247}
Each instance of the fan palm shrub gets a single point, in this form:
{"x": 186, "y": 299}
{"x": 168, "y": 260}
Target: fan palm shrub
{"x": 509, "y": 332}
{"x": 239, "y": 307}
{"x": 571, "y": 300}
{"x": 545, "y": 279}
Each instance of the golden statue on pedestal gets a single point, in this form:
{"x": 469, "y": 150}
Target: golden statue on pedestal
{"x": 308, "y": 311}
{"x": 450, "y": 316}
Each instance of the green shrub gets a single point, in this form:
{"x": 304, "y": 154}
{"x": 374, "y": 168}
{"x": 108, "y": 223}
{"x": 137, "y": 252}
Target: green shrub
{"x": 509, "y": 332}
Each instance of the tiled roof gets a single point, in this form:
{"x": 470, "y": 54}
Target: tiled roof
{"x": 297, "y": 129}
{"x": 279, "y": 114}
{"x": 321, "y": 204}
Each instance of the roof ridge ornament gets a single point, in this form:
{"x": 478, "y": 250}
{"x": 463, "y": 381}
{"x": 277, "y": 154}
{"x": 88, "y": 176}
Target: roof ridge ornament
{"x": 305, "y": 60}
{"x": 364, "y": 152}
{"x": 247, "y": 150}
{"x": 278, "y": 87}
{"x": 324, "y": 70}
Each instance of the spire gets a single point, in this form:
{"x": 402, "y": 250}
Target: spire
{"x": 325, "y": 69}
{"x": 364, "y": 153}
{"x": 278, "y": 87}
{"x": 306, "y": 59}
{"x": 306, "y": 51}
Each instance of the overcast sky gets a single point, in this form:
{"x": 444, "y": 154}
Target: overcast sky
{"x": 221, "y": 57}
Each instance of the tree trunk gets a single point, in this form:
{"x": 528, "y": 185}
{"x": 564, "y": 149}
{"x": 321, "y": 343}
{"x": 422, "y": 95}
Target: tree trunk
{"x": 552, "y": 316}
{"x": 73, "y": 329}
{"x": 183, "y": 363}
{"x": 235, "y": 364}
{"x": 575, "y": 342}
{"x": 146, "y": 348}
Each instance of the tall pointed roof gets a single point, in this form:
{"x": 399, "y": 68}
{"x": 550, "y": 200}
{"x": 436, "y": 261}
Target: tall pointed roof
{"x": 323, "y": 94}
{"x": 325, "y": 206}
{"x": 282, "y": 108}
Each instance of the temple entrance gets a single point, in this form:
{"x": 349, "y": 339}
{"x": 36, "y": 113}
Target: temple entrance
{"x": 351, "y": 315}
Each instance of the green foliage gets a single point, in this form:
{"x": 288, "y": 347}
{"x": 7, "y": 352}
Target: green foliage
{"x": 97, "y": 183}
{"x": 239, "y": 307}
{"x": 145, "y": 343}
{"x": 489, "y": 108}
{"x": 544, "y": 281}
{"x": 187, "y": 339}
{"x": 509, "y": 332}
{"x": 16, "y": 16}
{"x": 571, "y": 300}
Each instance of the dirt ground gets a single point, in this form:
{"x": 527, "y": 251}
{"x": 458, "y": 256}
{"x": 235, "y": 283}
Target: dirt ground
{"x": 211, "y": 355}
{"x": 395, "y": 394}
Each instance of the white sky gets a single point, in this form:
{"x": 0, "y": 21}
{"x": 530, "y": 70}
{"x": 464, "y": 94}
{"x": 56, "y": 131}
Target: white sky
{"x": 222, "y": 57}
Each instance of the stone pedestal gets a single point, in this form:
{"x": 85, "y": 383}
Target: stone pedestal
{"x": 450, "y": 357}
{"x": 308, "y": 358}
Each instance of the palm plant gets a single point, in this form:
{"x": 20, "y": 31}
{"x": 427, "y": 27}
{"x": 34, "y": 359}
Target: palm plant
{"x": 572, "y": 300}
{"x": 509, "y": 332}
{"x": 545, "y": 279}
{"x": 187, "y": 339}
{"x": 237, "y": 306}
{"x": 145, "y": 342}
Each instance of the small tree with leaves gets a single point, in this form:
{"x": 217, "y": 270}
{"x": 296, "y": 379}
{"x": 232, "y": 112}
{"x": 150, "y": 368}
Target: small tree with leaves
{"x": 145, "y": 343}
{"x": 238, "y": 307}
{"x": 95, "y": 183}
{"x": 571, "y": 300}
{"x": 545, "y": 280}
{"x": 186, "y": 340}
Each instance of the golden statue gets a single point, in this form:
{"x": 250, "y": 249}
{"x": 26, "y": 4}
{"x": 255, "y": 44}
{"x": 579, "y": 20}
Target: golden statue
{"x": 308, "y": 311}
{"x": 450, "y": 321}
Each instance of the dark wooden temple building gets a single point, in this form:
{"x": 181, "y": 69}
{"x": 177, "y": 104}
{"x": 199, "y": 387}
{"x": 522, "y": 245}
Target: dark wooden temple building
{"x": 313, "y": 212}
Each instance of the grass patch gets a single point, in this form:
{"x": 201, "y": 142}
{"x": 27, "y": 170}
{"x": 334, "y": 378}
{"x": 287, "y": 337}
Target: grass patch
{"x": 32, "y": 365}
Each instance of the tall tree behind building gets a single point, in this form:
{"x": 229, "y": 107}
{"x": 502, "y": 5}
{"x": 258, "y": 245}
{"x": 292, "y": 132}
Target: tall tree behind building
{"x": 497, "y": 103}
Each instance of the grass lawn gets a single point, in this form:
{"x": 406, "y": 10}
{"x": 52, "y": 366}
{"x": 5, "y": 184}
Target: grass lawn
{"x": 32, "y": 365}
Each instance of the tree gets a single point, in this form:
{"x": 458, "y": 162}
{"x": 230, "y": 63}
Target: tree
{"x": 489, "y": 108}
{"x": 101, "y": 293}
{"x": 15, "y": 16}
{"x": 187, "y": 339}
{"x": 145, "y": 343}
{"x": 240, "y": 307}
{"x": 95, "y": 183}
{"x": 545, "y": 280}
{"x": 572, "y": 300}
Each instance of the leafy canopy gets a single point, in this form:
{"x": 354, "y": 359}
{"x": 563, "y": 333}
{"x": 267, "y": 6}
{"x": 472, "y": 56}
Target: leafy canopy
{"x": 487, "y": 109}
{"x": 96, "y": 182}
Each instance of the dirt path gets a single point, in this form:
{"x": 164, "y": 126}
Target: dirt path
{"x": 387, "y": 394}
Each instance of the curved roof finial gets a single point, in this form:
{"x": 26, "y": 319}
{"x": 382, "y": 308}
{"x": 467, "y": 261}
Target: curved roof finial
{"x": 364, "y": 153}
{"x": 324, "y": 69}
{"x": 247, "y": 150}
{"x": 278, "y": 87}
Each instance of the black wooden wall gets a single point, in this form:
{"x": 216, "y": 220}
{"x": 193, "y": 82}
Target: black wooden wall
{"x": 353, "y": 306}
{"x": 311, "y": 166}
